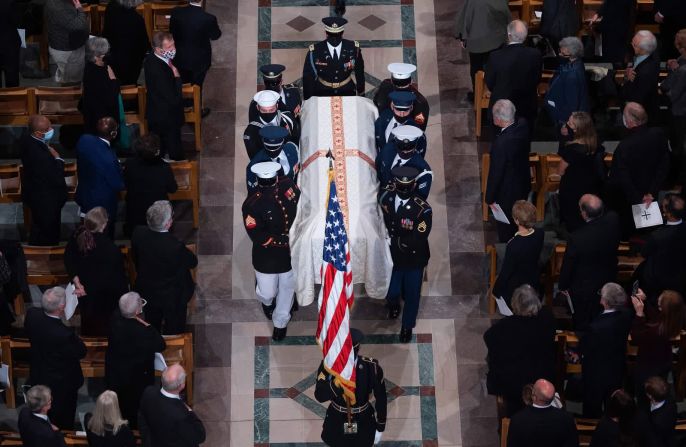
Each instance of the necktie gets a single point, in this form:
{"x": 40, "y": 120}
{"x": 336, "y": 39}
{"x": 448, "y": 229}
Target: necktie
{"x": 335, "y": 55}
{"x": 397, "y": 163}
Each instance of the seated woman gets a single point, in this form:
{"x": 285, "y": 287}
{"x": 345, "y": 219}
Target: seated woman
{"x": 582, "y": 168}
{"x": 521, "y": 348}
{"x": 148, "y": 179}
{"x": 97, "y": 268}
{"x": 617, "y": 426}
{"x": 521, "y": 256}
{"x": 100, "y": 96}
{"x": 105, "y": 426}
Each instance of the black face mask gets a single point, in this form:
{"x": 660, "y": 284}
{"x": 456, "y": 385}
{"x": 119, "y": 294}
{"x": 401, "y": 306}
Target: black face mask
{"x": 405, "y": 147}
{"x": 562, "y": 60}
{"x": 266, "y": 182}
{"x": 404, "y": 190}
{"x": 272, "y": 151}
{"x": 334, "y": 39}
{"x": 401, "y": 83}
{"x": 400, "y": 119}
{"x": 268, "y": 117}
{"x": 570, "y": 132}
{"x": 274, "y": 86}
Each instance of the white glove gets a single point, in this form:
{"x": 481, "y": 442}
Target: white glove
{"x": 377, "y": 437}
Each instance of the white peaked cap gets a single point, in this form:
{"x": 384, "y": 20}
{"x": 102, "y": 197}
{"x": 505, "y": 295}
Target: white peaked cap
{"x": 409, "y": 133}
{"x": 401, "y": 71}
{"x": 266, "y": 98}
{"x": 265, "y": 169}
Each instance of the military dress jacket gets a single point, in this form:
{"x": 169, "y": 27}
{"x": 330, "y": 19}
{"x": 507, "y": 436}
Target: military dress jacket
{"x": 386, "y": 160}
{"x": 290, "y": 102}
{"x": 289, "y": 151}
{"x": 251, "y": 136}
{"x": 323, "y": 76}
{"x": 408, "y": 227}
{"x": 381, "y": 125}
{"x": 420, "y": 108}
{"x": 268, "y": 214}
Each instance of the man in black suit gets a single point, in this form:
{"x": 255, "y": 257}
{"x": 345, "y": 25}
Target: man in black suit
{"x": 640, "y": 166}
{"x": 541, "y": 424}
{"x": 590, "y": 259}
{"x": 35, "y": 428}
{"x": 129, "y": 361}
{"x": 513, "y": 73}
{"x": 163, "y": 264}
{"x": 603, "y": 350}
{"x": 641, "y": 79}
{"x": 655, "y": 425}
{"x": 671, "y": 15}
{"x": 164, "y": 111}
{"x": 193, "y": 29}
{"x": 44, "y": 190}
{"x": 664, "y": 267}
{"x": 509, "y": 176}
{"x": 165, "y": 419}
{"x": 56, "y": 353}
{"x": 10, "y": 43}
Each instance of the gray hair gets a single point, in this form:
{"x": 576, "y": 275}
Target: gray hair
{"x": 170, "y": 385}
{"x": 517, "y": 31}
{"x": 129, "y": 303}
{"x": 53, "y": 298}
{"x": 159, "y": 215}
{"x": 505, "y": 110}
{"x": 38, "y": 397}
{"x": 525, "y": 301}
{"x": 647, "y": 42}
{"x": 613, "y": 295}
{"x": 574, "y": 45}
{"x": 129, "y": 3}
{"x": 96, "y": 47}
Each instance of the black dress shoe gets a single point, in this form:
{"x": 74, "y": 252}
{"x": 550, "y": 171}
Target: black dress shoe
{"x": 205, "y": 111}
{"x": 295, "y": 307}
{"x": 269, "y": 310}
{"x": 393, "y": 311}
{"x": 405, "y": 335}
{"x": 279, "y": 333}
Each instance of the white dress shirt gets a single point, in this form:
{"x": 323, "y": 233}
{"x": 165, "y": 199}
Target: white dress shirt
{"x": 392, "y": 124}
{"x": 399, "y": 202}
{"x": 337, "y": 48}
{"x": 283, "y": 161}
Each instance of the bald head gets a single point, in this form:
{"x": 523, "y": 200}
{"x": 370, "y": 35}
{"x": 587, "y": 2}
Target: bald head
{"x": 38, "y": 123}
{"x": 634, "y": 115}
{"x": 174, "y": 379}
{"x": 591, "y": 207}
{"x": 517, "y": 31}
{"x": 107, "y": 128}
{"x": 543, "y": 392}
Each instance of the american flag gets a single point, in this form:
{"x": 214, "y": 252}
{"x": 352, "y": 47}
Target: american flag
{"x": 336, "y": 298}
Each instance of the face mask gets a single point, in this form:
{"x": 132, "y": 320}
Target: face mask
{"x": 570, "y": 132}
{"x": 168, "y": 54}
{"x": 272, "y": 151}
{"x": 406, "y": 147}
{"x": 404, "y": 191}
{"x": 47, "y": 136}
{"x": 334, "y": 40}
{"x": 274, "y": 86}
{"x": 563, "y": 60}
{"x": 268, "y": 117}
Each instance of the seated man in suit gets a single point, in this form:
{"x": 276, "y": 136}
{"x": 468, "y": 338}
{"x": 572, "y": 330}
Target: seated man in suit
{"x": 268, "y": 114}
{"x": 640, "y": 165}
{"x": 34, "y": 425}
{"x": 272, "y": 76}
{"x": 56, "y": 353}
{"x": 603, "y": 350}
{"x": 129, "y": 361}
{"x": 165, "y": 419}
{"x": 541, "y": 424}
{"x": 44, "y": 190}
{"x": 655, "y": 425}
{"x": 164, "y": 266}
{"x": 398, "y": 114}
{"x": 509, "y": 175}
{"x": 100, "y": 176}
{"x": 641, "y": 79}
{"x": 664, "y": 267}
{"x": 402, "y": 151}
{"x": 590, "y": 260}
{"x": 276, "y": 149}
{"x": 401, "y": 81}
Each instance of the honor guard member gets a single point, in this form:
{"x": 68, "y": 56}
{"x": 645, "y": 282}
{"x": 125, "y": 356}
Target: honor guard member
{"x": 268, "y": 114}
{"x": 408, "y": 220}
{"x": 330, "y": 64}
{"x": 402, "y": 151}
{"x": 399, "y": 114}
{"x": 272, "y": 76}
{"x": 401, "y": 80}
{"x": 278, "y": 150}
{"x": 366, "y": 427}
{"x": 268, "y": 214}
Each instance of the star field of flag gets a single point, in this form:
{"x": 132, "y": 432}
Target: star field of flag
{"x": 335, "y": 238}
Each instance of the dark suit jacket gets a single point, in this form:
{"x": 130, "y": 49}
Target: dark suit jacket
{"x": 665, "y": 258}
{"x": 193, "y": 29}
{"x": 590, "y": 259}
{"x": 166, "y": 422}
{"x": 603, "y": 350}
{"x": 656, "y": 428}
{"x": 521, "y": 350}
{"x": 509, "y": 176}
{"x": 672, "y": 10}
{"x": 56, "y": 351}
{"x": 36, "y": 432}
{"x": 542, "y": 427}
{"x": 125, "y": 30}
{"x": 100, "y": 96}
{"x": 43, "y": 176}
{"x": 164, "y": 96}
{"x": 9, "y": 37}
{"x": 643, "y": 89}
{"x": 100, "y": 177}
{"x": 520, "y": 265}
{"x": 513, "y": 73}
{"x": 163, "y": 265}
{"x": 146, "y": 182}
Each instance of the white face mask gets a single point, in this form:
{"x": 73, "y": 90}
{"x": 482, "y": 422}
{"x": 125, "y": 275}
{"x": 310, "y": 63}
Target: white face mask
{"x": 168, "y": 54}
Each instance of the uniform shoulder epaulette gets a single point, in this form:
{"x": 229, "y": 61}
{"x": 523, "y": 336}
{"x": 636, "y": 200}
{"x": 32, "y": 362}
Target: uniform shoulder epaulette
{"x": 369, "y": 359}
{"x": 389, "y": 187}
{"x": 421, "y": 202}
{"x": 311, "y": 47}
{"x": 357, "y": 44}
{"x": 289, "y": 86}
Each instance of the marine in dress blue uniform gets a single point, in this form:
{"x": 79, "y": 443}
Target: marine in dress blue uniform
{"x": 331, "y": 65}
{"x": 399, "y": 114}
{"x": 402, "y": 151}
{"x": 278, "y": 150}
{"x": 370, "y": 420}
{"x": 272, "y": 76}
{"x": 268, "y": 214}
{"x": 401, "y": 80}
{"x": 268, "y": 115}
{"x": 408, "y": 219}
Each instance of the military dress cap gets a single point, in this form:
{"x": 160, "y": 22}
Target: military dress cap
{"x": 404, "y": 174}
{"x": 265, "y": 169}
{"x": 334, "y": 24}
{"x": 272, "y": 71}
{"x": 357, "y": 336}
{"x": 266, "y": 98}
{"x": 273, "y": 135}
{"x": 401, "y": 70}
{"x": 407, "y": 133}
{"x": 402, "y": 100}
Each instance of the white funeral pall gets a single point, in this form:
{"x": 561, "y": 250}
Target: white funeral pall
{"x": 344, "y": 125}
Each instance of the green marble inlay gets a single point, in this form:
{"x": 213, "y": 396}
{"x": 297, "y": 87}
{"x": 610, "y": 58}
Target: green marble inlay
{"x": 407, "y": 21}
{"x": 264, "y": 24}
{"x": 277, "y": 393}
{"x": 290, "y": 44}
{"x": 306, "y": 382}
{"x": 410, "y": 56}
{"x": 264, "y": 57}
{"x": 261, "y": 370}
{"x": 311, "y": 405}
{"x": 278, "y": 3}
{"x": 372, "y": 2}
{"x": 321, "y": 444}
{"x": 428, "y": 411}
{"x": 426, "y": 364}
{"x": 261, "y": 423}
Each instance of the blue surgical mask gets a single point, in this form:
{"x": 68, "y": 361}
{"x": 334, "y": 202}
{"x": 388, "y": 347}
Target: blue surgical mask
{"x": 47, "y": 136}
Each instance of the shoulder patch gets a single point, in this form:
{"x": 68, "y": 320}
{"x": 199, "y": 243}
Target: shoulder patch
{"x": 250, "y": 222}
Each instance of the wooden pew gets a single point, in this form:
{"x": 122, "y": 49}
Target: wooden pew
{"x": 10, "y": 183}
{"x": 135, "y": 92}
{"x": 492, "y": 275}
{"x": 504, "y": 429}
{"x": 17, "y": 104}
{"x": 192, "y": 114}
{"x": 157, "y": 14}
{"x": 188, "y": 181}
{"x": 179, "y": 350}
{"x": 59, "y": 104}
